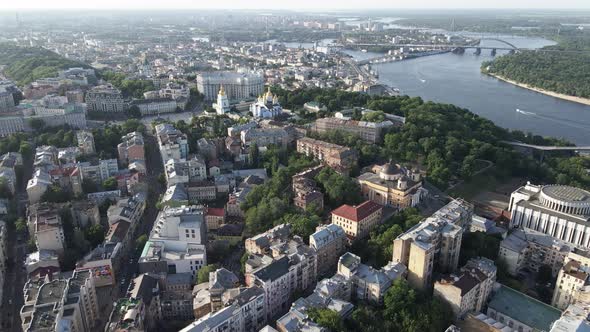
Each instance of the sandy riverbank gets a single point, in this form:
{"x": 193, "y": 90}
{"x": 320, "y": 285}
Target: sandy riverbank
{"x": 580, "y": 100}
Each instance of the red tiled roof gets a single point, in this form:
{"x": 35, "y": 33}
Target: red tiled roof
{"x": 218, "y": 212}
{"x": 358, "y": 212}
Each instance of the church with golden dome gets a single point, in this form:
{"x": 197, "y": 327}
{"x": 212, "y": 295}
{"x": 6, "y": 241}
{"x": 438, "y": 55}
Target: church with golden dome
{"x": 222, "y": 105}
{"x": 266, "y": 106}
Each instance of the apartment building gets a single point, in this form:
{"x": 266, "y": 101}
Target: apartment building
{"x": 358, "y": 221}
{"x": 173, "y": 144}
{"x": 180, "y": 171}
{"x": 105, "y": 99}
{"x": 329, "y": 241}
{"x": 306, "y": 192}
{"x": 48, "y": 230}
{"x": 339, "y": 158}
{"x": 176, "y": 242}
{"x": 371, "y": 132}
{"x": 526, "y": 248}
{"x": 98, "y": 172}
{"x": 211, "y": 302}
{"x": 131, "y": 148}
{"x": 434, "y": 242}
{"x": 3, "y": 258}
{"x": 85, "y": 141}
{"x": 572, "y": 280}
{"x": 265, "y": 136}
{"x": 60, "y": 304}
{"x": 369, "y": 284}
{"x": 468, "y": 289}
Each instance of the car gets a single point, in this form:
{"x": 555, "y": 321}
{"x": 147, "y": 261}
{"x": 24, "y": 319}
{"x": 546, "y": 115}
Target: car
{"x": 10, "y": 301}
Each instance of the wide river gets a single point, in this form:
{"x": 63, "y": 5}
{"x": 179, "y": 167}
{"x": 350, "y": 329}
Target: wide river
{"x": 456, "y": 79}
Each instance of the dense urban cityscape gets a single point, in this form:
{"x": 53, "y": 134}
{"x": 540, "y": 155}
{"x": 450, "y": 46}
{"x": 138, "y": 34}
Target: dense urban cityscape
{"x": 289, "y": 170}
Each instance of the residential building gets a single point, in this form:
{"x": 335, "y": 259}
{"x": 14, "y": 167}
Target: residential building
{"x": 176, "y": 299}
{"x": 358, "y": 221}
{"x": 176, "y": 242}
{"x": 105, "y": 99}
{"x": 201, "y": 191}
{"x": 369, "y": 284}
{"x": 572, "y": 280}
{"x": 235, "y": 130}
{"x": 140, "y": 310}
{"x": 339, "y": 158}
{"x": 211, "y": 300}
{"x": 329, "y": 241}
{"x": 525, "y": 248}
{"x": 237, "y": 86}
{"x": 129, "y": 209}
{"x": 434, "y": 242}
{"x": 315, "y": 107}
{"x": 263, "y": 137}
{"x": 38, "y": 185}
{"x": 306, "y": 191}
{"x": 469, "y": 289}
{"x": 560, "y": 211}
{"x": 47, "y": 229}
{"x": 6, "y": 101}
{"x": 173, "y": 143}
{"x": 214, "y": 217}
{"x": 281, "y": 266}
{"x": 392, "y": 185}
{"x": 42, "y": 263}
{"x": 333, "y": 294}
{"x": 60, "y": 304}
{"x": 84, "y": 213}
{"x": 174, "y": 91}
{"x": 98, "y": 172}
{"x": 131, "y": 148}
{"x": 179, "y": 171}
{"x": 371, "y": 132}
{"x": 521, "y": 312}
{"x": 85, "y": 141}
{"x": 155, "y": 106}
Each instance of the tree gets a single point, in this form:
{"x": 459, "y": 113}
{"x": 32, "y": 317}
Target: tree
{"x": 140, "y": 243}
{"x": 110, "y": 184}
{"x": 134, "y": 112}
{"x": 26, "y": 150}
{"x": 37, "y": 124}
{"x": 327, "y": 318}
{"x": 95, "y": 235}
{"x": 20, "y": 225}
{"x": 253, "y": 155}
{"x": 31, "y": 245}
{"x": 56, "y": 194}
{"x": 89, "y": 186}
{"x": 203, "y": 273}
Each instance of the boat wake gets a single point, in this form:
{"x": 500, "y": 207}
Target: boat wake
{"x": 525, "y": 112}
{"x": 566, "y": 122}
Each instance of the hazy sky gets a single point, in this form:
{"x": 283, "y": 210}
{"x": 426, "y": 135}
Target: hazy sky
{"x": 290, "y": 4}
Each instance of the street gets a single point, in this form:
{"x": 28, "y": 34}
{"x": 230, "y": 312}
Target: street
{"x": 16, "y": 251}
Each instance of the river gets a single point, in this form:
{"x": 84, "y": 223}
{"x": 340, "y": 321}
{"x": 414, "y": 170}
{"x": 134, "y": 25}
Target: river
{"x": 456, "y": 79}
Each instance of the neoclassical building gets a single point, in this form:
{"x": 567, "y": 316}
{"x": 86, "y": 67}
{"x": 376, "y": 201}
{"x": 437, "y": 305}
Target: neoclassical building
{"x": 392, "y": 185}
{"x": 560, "y": 211}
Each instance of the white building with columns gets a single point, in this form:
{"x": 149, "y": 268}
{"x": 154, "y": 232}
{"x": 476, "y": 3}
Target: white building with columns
{"x": 560, "y": 211}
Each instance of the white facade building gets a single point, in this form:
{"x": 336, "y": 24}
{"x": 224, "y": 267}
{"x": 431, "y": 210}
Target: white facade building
{"x": 238, "y": 86}
{"x": 560, "y": 211}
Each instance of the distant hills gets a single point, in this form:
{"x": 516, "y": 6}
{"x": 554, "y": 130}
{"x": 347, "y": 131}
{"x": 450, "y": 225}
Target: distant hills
{"x": 27, "y": 64}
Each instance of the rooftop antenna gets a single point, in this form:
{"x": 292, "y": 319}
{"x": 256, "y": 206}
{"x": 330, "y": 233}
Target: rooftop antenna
{"x": 453, "y": 25}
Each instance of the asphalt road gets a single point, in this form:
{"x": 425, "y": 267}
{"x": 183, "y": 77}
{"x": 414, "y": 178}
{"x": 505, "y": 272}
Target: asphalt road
{"x": 16, "y": 251}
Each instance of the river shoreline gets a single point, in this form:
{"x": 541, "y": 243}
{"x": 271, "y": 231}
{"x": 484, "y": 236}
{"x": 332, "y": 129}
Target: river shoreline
{"x": 579, "y": 100}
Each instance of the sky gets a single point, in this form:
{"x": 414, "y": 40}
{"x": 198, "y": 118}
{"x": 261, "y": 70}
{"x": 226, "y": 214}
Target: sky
{"x": 290, "y": 4}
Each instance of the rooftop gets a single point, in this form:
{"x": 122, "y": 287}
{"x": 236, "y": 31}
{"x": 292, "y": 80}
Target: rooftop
{"x": 524, "y": 308}
{"x": 357, "y": 212}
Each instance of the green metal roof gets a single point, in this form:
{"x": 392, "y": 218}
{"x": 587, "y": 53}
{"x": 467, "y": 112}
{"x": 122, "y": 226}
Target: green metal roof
{"x": 524, "y": 308}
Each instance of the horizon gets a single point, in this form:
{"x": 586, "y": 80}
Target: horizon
{"x": 305, "y": 5}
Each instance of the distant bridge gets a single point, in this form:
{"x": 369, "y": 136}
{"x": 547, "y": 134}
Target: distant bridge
{"x": 548, "y": 148}
{"x": 544, "y": 148}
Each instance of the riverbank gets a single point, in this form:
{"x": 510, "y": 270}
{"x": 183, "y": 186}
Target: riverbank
{"x": 580, "y": 100}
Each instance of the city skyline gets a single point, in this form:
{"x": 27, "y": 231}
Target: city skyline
{"x": 299, "y": 5}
